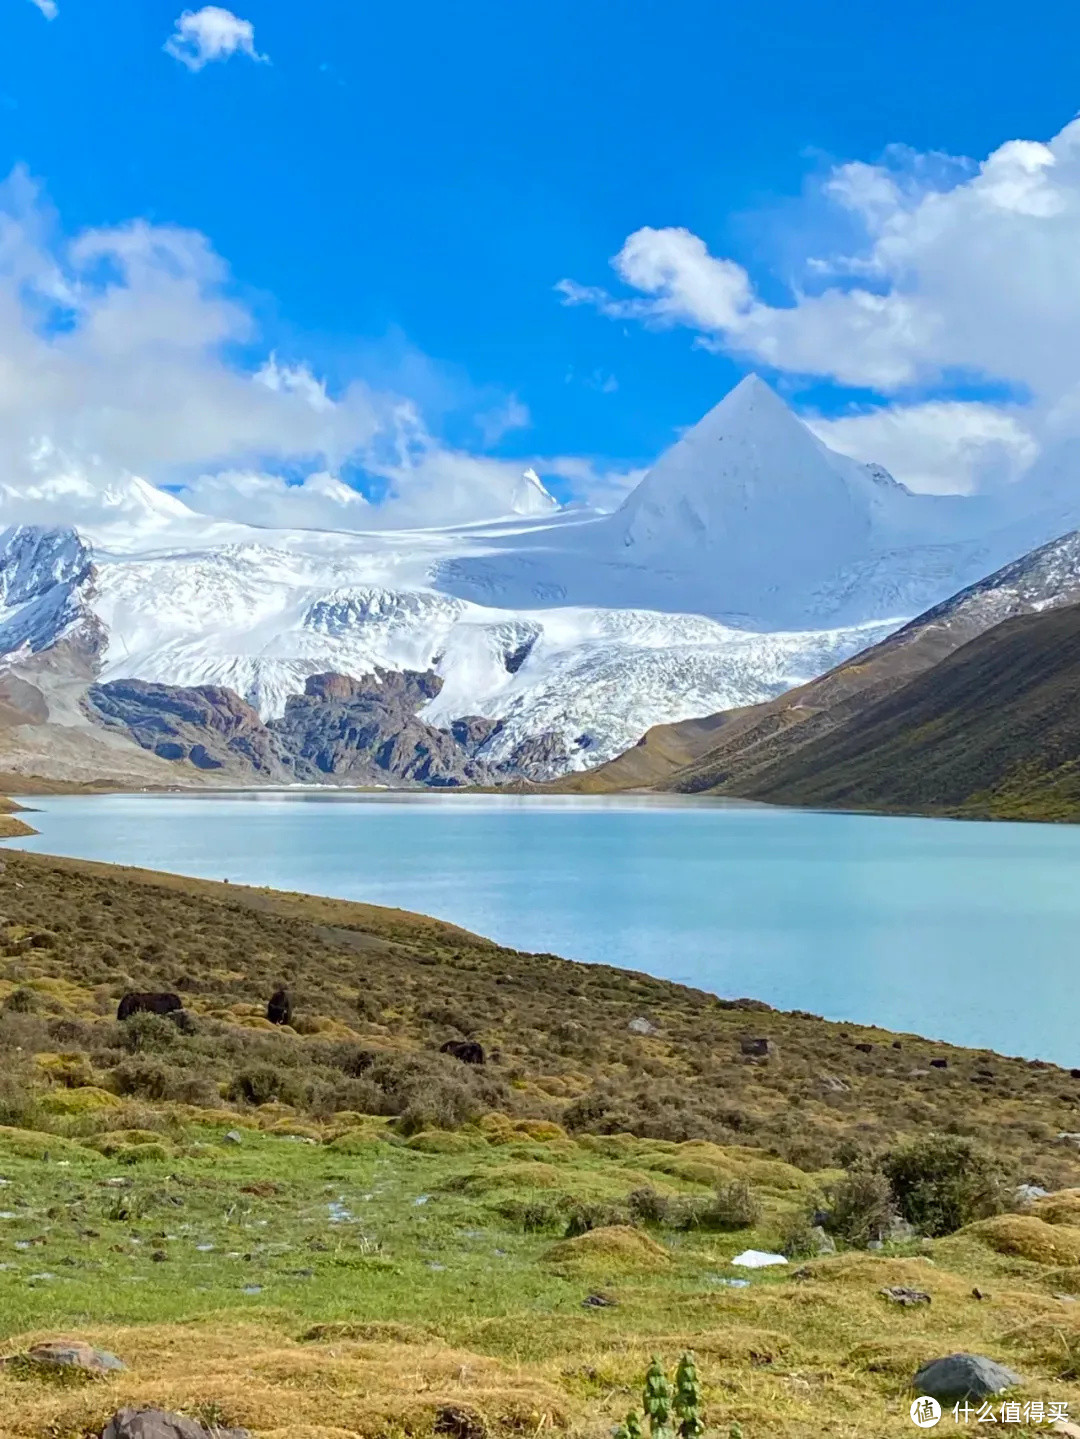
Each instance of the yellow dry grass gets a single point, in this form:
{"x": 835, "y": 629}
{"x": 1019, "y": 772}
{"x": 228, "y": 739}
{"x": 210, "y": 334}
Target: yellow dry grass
{"x": 1062, "y": 1207}
{"x": 615, "y": 1247}
{"x": 1026, "y": 1237}
{"x": 280, "y": 1388}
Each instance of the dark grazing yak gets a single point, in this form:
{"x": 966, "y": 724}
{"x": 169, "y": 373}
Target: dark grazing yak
{"x": 279, "y": 1008}
{"x": 467, "y": 1050}
{"x": 147, "y": 1004}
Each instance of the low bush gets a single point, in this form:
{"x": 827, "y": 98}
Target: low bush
{"x": 799, "y": 1237}
{"x": 944, "y": 1181}
{"x": 264, "y": 1084}
{"x": 733, "y": 1206}
{"x": 431, "y": 1103}
{"x": 148, "y": 1034}
{"x": 154, "y": 1080}
{"x": 649, "y": 1206}
{"x": 534, "y": 1216}
{"x": 861, "y": 1207}
{"x": 595, "y": 1216}
{"x": 18, "y": 1101}
{"x": 22, "y": 1001}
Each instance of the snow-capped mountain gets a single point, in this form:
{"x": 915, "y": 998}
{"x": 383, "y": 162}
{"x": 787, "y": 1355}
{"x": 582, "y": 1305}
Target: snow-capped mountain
{"x": 750, "y": 558}
{"x": 751, "y": 519}
{"x": 259, "y": 619}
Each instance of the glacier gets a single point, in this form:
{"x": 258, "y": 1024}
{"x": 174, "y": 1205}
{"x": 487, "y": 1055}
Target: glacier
{"x": 748, "y": 560}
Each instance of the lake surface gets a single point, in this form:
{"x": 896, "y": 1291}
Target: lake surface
{"x": 960, "y": 931}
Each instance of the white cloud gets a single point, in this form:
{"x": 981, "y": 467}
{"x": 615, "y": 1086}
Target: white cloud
{"x": 939, "y": 447}
{"x": 318, "y": 502}
{"x": 510, "y": 415}
{"x": 601, "y": 487}
{"x": 958, "y": 270}
{"x": 212, "y": 33}
{"x": 47, "y": 7}
{"x": 117, "y": 359}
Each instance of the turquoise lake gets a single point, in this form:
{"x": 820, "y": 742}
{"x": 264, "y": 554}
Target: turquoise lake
{"x": 963, "y": 932}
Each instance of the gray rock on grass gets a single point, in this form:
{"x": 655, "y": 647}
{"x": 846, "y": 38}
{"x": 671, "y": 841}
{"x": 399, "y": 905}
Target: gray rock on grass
{"x": 74, "y": 1354}
{"x": 160, "y": 1424}
{"x": 963, "y": 1376}
{"x": 641, "y": 1025}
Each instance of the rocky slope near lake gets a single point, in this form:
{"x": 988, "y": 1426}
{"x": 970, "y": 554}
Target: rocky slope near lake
{"x": 341, "y": 730}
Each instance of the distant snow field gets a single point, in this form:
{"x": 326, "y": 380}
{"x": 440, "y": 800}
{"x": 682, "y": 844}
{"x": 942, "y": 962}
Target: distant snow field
{"x": 749, "y": 559}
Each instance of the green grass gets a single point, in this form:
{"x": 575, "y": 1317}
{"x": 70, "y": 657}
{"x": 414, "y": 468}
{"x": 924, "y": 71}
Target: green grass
{"x": 306, "y": 1320}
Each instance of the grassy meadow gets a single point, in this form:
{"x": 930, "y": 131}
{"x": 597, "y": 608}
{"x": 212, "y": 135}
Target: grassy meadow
{"x": 332, "y": 1230}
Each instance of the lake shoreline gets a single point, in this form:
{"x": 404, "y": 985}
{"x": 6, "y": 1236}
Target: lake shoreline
{"x": 914, "y": 925}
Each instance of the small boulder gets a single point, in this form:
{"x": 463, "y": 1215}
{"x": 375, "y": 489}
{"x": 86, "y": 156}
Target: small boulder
{"x": 641, "y": 1025}
{"x": 1028, "y": 1193}
{"x": 74, "y": 1354}
{"x": 899, "y": 1231}
{"x": 233, "y": 1136}
{"x": 939, "y": 1064}
{"x": 758, "y": 1047}
{"x": 963, "y": 1376}
{"x": 161, "y": 1424}
{"x": 906, "y": 1298}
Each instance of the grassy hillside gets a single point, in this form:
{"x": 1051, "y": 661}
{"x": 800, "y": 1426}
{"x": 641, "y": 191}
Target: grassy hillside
{"x": 331, "y": 1230}
{"x": 992, "y": 731}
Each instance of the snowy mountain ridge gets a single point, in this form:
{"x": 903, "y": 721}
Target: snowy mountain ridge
{"x": 749, "y": 559}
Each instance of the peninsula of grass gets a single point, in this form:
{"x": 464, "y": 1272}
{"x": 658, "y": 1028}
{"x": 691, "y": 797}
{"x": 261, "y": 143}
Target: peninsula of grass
{"x": 330, "y": 1229}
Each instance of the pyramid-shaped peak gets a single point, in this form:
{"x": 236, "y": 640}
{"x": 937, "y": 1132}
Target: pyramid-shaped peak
{"x": 752, "y": 494}
{"x": 751, "y": 405}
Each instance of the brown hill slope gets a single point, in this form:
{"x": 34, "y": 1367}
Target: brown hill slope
{"x": 377, "y": 991}
{"x": 993, "y": 730}
{"x": 724, "y": 753}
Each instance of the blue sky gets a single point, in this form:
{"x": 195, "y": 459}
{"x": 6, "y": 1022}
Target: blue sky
{"x": 397, "y": 191}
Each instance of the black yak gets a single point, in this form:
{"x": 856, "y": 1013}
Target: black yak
{"x": 467, "y": 1050}
{"x": 279, "y": 1008}
{"x": 147, "y": 1004}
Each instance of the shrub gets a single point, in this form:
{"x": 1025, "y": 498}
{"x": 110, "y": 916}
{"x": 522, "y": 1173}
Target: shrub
{"x": 594, "y": 1216}
{"x": 861, "y": 1207}
{"x": 649, "y": 1206}
{"x": 325, "y": 1098}
{"x": 22, "y": 1001}
{"x": 263, "y": 1084}
{"x": 148, "y": 1034}
{"x": 145, "y": 1078}
{"x": 942, "y": 1182}
{"x": 351, "y": 1058}
{"x": 155, "y": 1080}
{"x": 18, "y": 1102}
{"x": 431, "y": 1104}
{"x": 533, "y": 1215}
{"x": 797, "y": 1237}
{"x": 733, "y": 1206}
